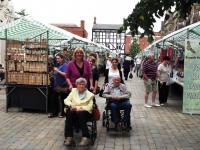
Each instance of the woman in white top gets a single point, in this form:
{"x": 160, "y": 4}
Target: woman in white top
{"x": 163, "y": 75}
{"x": 113, "y": 71}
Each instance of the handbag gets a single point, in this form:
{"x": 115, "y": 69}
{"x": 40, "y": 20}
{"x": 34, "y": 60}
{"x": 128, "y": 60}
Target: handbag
{"x": 101, "y": 93}
{"x": 61, "y": 89}
{"x": 130, "y": 75}
{"x": 96, "y": 113}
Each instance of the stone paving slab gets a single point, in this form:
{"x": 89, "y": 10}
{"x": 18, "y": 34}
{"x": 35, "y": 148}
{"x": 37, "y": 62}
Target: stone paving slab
{"x": 157, "y": 128}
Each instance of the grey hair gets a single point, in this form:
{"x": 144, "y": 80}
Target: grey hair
{"x": 79, "y": 80}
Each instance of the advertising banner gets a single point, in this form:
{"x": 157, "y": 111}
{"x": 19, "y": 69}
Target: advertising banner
{"x": 191, "y": 94}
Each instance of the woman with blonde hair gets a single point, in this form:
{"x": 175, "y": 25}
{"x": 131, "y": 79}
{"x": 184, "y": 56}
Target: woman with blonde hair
{"x": 79, "y": 67}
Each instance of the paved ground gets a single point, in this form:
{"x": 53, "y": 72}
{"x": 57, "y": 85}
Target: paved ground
{"x": 157, "y": 128}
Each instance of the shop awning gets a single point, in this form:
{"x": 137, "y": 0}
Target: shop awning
{"x": 28, "y": 28}
{"x": 178, "y": 37}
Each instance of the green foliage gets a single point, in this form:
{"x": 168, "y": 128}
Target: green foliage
{"x": 144, "y": 14}
{"x": 135, "y": 49}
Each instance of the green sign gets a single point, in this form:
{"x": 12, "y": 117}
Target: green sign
{"x": 191, "y": 94}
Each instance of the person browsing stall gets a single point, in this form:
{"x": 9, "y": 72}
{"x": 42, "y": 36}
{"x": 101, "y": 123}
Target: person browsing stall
{"x": 149, "y": 76}
{"x": 60, "y": 88}
{"x": 163, "y": 76}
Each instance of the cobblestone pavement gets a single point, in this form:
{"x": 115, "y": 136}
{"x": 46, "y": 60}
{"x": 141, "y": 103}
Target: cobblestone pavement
{"x": 157, "y": 128}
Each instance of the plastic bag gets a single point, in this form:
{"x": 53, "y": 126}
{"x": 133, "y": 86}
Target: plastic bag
{"x": 169, "y": 81}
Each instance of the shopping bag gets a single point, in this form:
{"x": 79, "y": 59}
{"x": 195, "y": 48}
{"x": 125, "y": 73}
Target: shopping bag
{"x": 169, "y": 81}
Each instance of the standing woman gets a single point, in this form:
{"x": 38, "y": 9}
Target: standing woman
{"x": 113, "y": 71}
{"x": 163, "y": 75}
{"x": 95, "y": 72}
{"x": 59, "y": 91}
{"x": 79, "y": 67}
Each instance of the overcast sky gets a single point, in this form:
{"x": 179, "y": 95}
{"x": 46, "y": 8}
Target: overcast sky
{"x": 72, "y": 11}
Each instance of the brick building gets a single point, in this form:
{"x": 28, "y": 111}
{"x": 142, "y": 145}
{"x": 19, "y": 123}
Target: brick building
{"x": 73, "y": 28}
{"x": 143, "y": 42}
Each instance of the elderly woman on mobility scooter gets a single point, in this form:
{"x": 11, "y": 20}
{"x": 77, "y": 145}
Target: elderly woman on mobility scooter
{"x": 117, "y": 97}
{"x": 80, "y": 105}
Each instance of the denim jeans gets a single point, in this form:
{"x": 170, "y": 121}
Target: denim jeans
{"x": 116, "y": 106}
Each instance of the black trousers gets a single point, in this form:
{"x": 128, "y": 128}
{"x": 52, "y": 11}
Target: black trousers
{"x": 163, "y": 92}
{"x": 126, "y": 72}
{"x": 74, "y": 117}
{"x": 56, "y": 102}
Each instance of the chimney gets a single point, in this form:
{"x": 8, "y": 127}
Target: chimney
{"x": 95, "y": 20}
{"x": 82, "y": 24}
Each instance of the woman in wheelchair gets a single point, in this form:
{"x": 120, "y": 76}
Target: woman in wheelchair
{"x": 80, "y": 103}
{"x": 117, "y": 97}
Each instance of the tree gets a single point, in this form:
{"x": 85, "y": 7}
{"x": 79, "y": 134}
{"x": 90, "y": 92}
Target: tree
{"x": 144, "y": 14}
{"x": 134, "y": 48}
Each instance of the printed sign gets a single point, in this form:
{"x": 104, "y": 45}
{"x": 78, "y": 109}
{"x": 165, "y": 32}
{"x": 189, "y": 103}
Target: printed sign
{"x": 191, "y": 94}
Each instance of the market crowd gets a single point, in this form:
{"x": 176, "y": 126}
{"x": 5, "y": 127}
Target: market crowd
{"x": 74, "y": 84}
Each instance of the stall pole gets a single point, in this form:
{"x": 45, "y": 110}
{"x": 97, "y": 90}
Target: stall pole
{"x": 6, "y": 68}
{"x": 47, "y": 85}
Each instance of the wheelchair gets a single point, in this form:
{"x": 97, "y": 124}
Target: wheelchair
{"x": 92, "y": 125}
{"x": 106, "y": 118}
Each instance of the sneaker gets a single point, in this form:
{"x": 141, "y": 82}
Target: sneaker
{"x": 85, "y": 141}
{"x": 154, "y": 104}
{"x": 69, "y": 141}
{"x": 162, "y": 104}
{"x": 51, "y": 115}
{"x": 60, "y": 115}
{"x": 147, "y": 106}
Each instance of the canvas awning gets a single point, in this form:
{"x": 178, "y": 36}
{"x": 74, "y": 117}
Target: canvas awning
{"x": 178, "y": 37}
{"x": 28, "y": 28}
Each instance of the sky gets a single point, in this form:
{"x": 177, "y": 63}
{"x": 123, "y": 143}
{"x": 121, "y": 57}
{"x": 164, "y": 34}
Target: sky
{"x": 72, "y": 11}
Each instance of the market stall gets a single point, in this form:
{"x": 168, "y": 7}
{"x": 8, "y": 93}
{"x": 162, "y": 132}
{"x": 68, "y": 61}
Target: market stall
{"x": 182, "y": 46}
{"x": 28, "y": 44}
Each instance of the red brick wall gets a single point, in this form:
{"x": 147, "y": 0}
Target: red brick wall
{"x": 128, "y": 41}
{"x": 77, "y": 30}
{"x": 143, "y": 42}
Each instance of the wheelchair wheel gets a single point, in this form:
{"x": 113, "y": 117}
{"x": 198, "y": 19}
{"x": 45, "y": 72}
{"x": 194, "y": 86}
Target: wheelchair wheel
{"x": 103, "y": 119}
{"x": 93, "y": 132}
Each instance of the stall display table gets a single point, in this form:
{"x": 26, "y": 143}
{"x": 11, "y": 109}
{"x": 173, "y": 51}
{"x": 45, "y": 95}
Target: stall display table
{"x": 27, "y": 97}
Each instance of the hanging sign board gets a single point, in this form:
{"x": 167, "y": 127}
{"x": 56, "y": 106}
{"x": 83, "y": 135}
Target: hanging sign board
{"x": 191, "y": 94}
